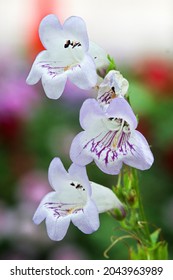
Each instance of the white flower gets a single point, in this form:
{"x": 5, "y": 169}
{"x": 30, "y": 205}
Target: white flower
{"x": 110, "y": 138}
{"x": 74, "y": 199}
{"x": 66, "y": 56}
{"x": 113, "y": 85}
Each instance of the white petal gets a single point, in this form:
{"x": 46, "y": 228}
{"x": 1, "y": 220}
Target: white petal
{"x": 57, "y": 174}
{"x": 54, "y": 86}
{"x": 51, "y": 33}
{"x": 104, "y": 198}
{"x": 57, "y": 228}
{"x": 87, "y": 220}
{"x": 77, "y": 153}
{"x": 61, "y": 181}
{"x": 46, "y": 63}
{"x": 120, "y": 108}
{"x": 99, "y": 55}
{"x": 36, "y": 72}
{"x": 116, "y": 80}
{"x": 42, "y": 212}
{"x": 79, "y": 174}
{"x": 75, "y": 29}
{"x": 91, "y": 110}
{"x": 84, "y": 75}
{"x": 140, "y": 156}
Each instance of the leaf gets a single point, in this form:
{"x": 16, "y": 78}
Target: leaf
{"x": 154, "y": 236}
{"x": 112, "y": 65}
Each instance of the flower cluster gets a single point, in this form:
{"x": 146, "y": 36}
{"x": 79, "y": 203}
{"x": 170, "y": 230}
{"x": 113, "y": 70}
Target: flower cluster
{"x": 109, "y": 135}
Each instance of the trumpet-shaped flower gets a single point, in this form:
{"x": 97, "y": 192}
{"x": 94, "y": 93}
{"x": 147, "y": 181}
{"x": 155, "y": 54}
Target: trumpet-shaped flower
{"x": 113, "y": 85}
{"x": 74, "y": 199}
{"x": 66, "y": 56}
{"x": 110, "y": 138}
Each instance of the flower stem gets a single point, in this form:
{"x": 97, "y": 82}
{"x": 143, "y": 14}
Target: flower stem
{"x": 141, "y": 215}
{"x": 148, "y": 246}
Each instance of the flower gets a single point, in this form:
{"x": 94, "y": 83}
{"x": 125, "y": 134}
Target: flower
{"x": 109, "y": 138}
{"x": 74, "y": 199}
{"x": 113, "y": 85}
{"x": 66, "y": 56}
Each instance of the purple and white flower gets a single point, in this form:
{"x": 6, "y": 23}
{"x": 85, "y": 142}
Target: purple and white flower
{"x": 66, "y": 56}
{"x": 74, "y": 199}
{"x": 113, "y": 85}
{"x": 110, "y": 138}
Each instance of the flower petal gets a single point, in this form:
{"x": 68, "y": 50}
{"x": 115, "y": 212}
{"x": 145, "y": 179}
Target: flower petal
{"x": 108, "y": 162}
{"x": 57, "y": 174}
{"x": 85, "y": 148}
{"x": 91, "y": 110}
{"x": 57, "y": 228}
{"x": 77, "y": 154}
{"x": 84, "y": 74}
{"x": 140, "y": 156}
{"x": 116, "y": 80}
{"x": 88, "y": 219}
{"x": 62, "y": 181}
{"x": 50, "y": 32}
{"x": 76, "y": 27}
{"x": 36, "y": 72}
{"x": 104, "y": 198}
{"x": 42, "y": 211}
{"x": 54, "y": 86}
{"x": 120, "y": 108}
{"x": 99, "y": 55}
{"x": 79, "y": 174}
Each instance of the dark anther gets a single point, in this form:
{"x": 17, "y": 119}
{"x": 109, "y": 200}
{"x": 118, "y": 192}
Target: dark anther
{"x": 78, "y": 186}
{"x": 113, "y": 89}
{"x": 74, "y": 44}
{"x": 67, "y": 44}
{"x": 72, "y": 184}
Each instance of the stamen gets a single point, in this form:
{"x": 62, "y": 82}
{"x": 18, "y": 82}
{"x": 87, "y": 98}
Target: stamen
{"x": 67, "y": 44}
{"x": 107, "y": 96}
{"x": 77, "y": 186}
{"x": 73, "y": 44}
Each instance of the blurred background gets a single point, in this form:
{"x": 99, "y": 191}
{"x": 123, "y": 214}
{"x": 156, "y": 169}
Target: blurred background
{"x": 34, "y": 129}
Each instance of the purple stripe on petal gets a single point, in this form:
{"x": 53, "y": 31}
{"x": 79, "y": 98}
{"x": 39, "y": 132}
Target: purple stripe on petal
{"x": 62, "y": 209}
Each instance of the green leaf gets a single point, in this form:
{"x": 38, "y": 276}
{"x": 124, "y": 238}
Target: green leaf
{"x": 155, "y": 235}
{"x": 112, "y": 65}
{"x": 157, "y": 252}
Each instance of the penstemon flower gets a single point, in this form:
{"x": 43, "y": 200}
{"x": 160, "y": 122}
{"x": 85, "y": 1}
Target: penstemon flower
{"x": 110, "y": 138}
{"x": 113, "y": 85}
{"x": 67, "y": 56}
{"x": 74, "y": 199}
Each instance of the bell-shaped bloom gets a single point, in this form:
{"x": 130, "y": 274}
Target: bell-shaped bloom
{"x": 66, "y": 56}
{"x": 74, "y": 199}
{"x": 113, "y": 85}
{"x": 110, "y": 138}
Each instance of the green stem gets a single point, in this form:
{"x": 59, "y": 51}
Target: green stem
{"x": 142, "y": 216}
